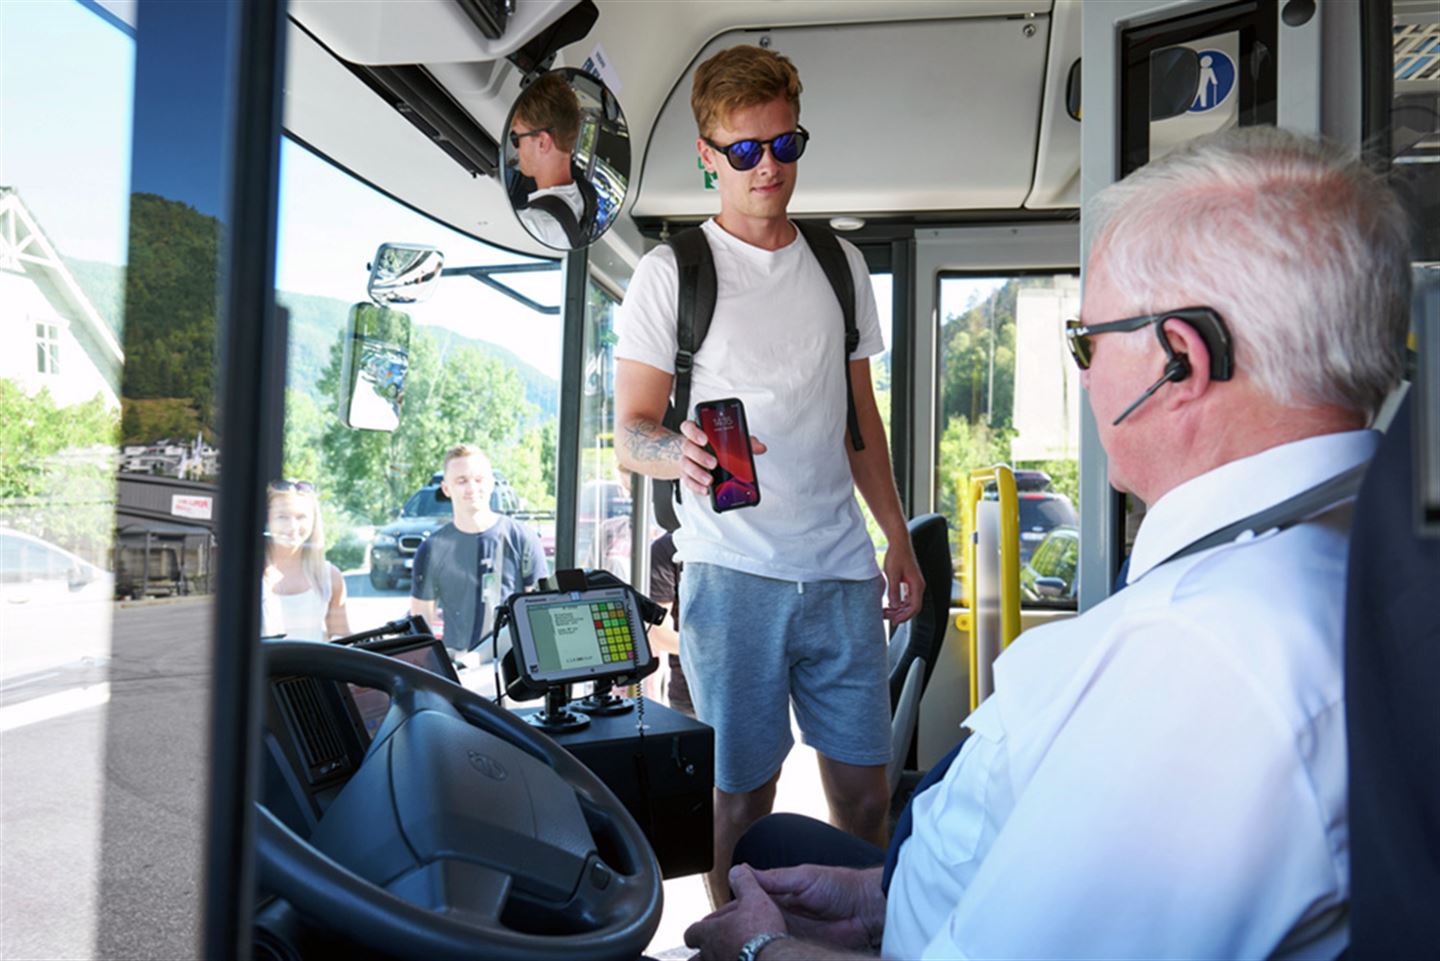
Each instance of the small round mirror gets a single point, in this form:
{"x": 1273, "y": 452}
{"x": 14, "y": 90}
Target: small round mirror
{"x": 567, "y": 158}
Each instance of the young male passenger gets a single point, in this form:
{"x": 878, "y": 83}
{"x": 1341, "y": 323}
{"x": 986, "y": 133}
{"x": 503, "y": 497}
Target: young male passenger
{"x": 783, "y": 600}
{"x": 1164, "y": 776}
{"x": 477, "y": 560}
{"x": 543, "y": 130}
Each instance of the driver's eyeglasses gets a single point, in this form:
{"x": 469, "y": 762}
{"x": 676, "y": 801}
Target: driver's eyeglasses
{"x": 304, "y": 487}
{"x": 746, "y": 154}
{"x": 1078, "y": 335}
{"x": 515, "y": 138}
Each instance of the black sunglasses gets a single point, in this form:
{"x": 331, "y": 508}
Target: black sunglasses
{"x": 1078, "y": 334}
{"x": 515, "y": 138}
{"x": 281, "y": 486}
{"x": 745, "y": 154}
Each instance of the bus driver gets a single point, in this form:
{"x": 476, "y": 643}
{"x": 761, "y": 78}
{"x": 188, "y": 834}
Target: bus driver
{"x": 1165, "y": 775}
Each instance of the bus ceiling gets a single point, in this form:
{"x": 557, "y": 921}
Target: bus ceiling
{"x": 982, "y": 82}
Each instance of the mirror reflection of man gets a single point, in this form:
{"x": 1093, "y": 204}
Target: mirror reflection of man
{"x": 543, "y": 131}
{"x": 473, "y": 563}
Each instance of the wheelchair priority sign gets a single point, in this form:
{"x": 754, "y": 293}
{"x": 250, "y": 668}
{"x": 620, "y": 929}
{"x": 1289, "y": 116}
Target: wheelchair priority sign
{"x": 1217, "y": 81}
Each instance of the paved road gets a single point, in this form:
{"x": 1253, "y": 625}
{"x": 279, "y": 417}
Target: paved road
{"x": 102, "y": 793}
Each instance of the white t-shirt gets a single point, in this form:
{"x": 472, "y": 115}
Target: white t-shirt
{"x": 777, "y": 342}
{"x": 1164, "y": 776}
{"x": 546, "y": 228}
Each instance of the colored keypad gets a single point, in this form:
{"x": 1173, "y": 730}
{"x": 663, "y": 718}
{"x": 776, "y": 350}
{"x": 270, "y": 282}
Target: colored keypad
{"x": 612, "y": 627}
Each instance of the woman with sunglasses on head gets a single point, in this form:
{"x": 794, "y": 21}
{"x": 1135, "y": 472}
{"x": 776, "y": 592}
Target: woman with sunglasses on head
{"x": 303, "y": 594}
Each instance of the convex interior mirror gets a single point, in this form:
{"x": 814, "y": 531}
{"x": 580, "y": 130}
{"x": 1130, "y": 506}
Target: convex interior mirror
{"x": 567, "y": 158}
{"x": 404, "y": 274}
{"x": 373, "y": 367}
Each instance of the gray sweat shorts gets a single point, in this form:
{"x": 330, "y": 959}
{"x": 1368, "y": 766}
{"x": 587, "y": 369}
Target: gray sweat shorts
{"x": 749, "y": 645}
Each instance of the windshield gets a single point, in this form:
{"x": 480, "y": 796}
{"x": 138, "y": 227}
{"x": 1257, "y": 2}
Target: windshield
{"x": 1039, "y": 514}
{"x": 426, "y": 504}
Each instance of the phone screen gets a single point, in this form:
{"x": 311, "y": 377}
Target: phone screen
{"x": 733, "y": 481}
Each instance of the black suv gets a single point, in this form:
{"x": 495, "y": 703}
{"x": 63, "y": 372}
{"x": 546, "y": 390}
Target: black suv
{"x": 392, "y": 554}
{"x": 1041, "y": 509}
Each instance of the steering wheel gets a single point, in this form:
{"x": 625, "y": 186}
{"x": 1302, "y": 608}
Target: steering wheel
{"x": 465, "y": 833}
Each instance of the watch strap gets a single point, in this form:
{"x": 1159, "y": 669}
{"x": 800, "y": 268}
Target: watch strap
{"x": 755, "y": 945}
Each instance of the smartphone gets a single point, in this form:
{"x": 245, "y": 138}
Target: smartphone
{"x": 732, "y": 481}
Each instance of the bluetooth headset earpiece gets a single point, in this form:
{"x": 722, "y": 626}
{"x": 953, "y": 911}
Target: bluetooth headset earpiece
{"x": 1212, "y": 331}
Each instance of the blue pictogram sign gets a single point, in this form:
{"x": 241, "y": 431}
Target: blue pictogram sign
{"x": 1217, "y": 81}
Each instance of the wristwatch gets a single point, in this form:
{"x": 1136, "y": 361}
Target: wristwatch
{"x": 755, "y": 945}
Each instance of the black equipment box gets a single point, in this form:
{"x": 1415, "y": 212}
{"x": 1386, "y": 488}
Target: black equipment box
{"x": 665, "y": 779}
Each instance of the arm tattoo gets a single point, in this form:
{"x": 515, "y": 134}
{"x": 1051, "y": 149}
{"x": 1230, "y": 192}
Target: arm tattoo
{"x": 647, "y": 441}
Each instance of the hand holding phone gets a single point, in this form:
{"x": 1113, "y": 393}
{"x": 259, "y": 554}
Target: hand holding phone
{"x": 732, "y": 481}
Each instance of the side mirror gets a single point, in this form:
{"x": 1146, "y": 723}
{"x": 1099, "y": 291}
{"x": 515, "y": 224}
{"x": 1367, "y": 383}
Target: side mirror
{"x": 1174, "y": 81}
{"x": 373, "y": 368}
{"x": 79, "y": 576}
{"x": 403, "y": 274}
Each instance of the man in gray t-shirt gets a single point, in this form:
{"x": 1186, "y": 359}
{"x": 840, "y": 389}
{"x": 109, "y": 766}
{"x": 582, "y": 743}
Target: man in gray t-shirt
{"x": 472, "y": 564}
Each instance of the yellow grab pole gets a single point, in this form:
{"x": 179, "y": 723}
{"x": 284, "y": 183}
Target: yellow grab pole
{"x": 971, "y": 494}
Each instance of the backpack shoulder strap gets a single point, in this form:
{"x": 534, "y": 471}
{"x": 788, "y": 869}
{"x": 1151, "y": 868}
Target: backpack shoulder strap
{"x": 826, "y": 248}
{"x": 563, "y": 215}
{"x": 695, "y": 306}
{"x": 591, "y": 201}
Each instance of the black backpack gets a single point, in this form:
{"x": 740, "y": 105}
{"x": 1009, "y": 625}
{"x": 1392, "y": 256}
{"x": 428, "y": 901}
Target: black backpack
{"x": 695, "y": 264}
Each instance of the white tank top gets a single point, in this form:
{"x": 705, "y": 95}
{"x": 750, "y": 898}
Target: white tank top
{"x": 300, "y": 617}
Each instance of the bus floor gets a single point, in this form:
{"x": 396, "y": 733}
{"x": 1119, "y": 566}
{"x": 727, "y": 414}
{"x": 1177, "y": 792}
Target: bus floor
{"x": 799, "y": 791}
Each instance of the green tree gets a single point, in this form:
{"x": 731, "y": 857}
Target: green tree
{"x": 967, "y": 342}
{"x": 304, "y": 428}
{"x": 965, "y": 447}
{"x": 34, "y": 431}
{"x": 57, "y": 470}
{"x": 170, "y": 306}
{"x": 469, "y": 397}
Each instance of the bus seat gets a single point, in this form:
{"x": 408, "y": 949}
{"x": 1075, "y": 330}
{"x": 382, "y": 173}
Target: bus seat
{"x": 1392, "y": 674}
{"x": 915, "y": 645}
{"x": 903, "y": 723}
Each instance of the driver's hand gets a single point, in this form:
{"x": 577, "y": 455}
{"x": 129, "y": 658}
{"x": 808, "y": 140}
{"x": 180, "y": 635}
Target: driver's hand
{"x": 843, "y": 907}
{"x": 722, "y": 934}
{"x": 696, "y": 462}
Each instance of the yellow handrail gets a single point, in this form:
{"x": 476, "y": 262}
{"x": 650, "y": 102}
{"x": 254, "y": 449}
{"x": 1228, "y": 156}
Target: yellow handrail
{"x": 971, "y": 492}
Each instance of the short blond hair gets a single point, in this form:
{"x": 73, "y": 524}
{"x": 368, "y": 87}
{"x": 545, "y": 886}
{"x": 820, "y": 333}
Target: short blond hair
{"x": 549, "y": 104}
{"x": 463, "y": 450}
{"x": 741, "y": 77}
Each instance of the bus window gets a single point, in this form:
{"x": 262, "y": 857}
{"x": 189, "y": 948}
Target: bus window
{"x": 603, "y": 508}
{"x": 484, "y": 369}
{"x": 1010, "y": 395}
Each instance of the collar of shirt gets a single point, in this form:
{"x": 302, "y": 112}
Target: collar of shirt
{"x": 1240, "y": 488}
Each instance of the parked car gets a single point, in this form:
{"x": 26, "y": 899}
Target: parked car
{"x": 392, "y": 554}
{"x": 1040, "y": 513}
{"x": 54, "y": 606}
{"x": 1051, "y": 576}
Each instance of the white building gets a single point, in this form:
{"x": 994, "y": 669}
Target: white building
{"x": 57, "y": 338}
